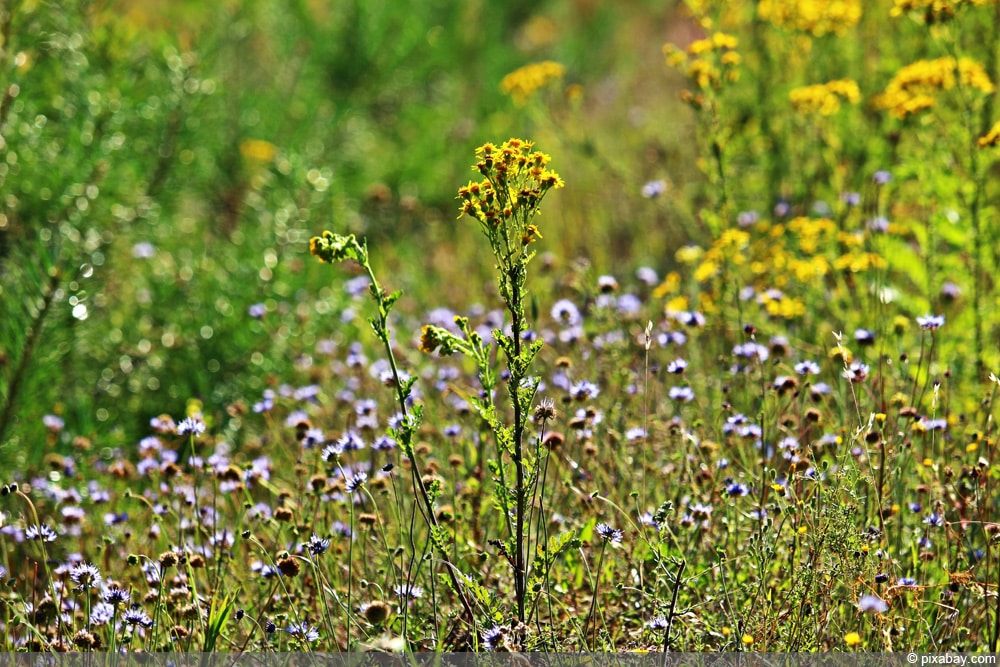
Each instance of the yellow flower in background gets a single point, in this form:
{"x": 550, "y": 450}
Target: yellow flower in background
{"x": 704, "y": 74}
{"x": 689, "y": 254}
{"x": 825, "y": 98}
{"x": 850, "y": 239}
{"x": 991, "y": 138}
{"x": 733, "y": 238}
{"x": 525, "y": 81}
{"x": 721, "y": 40}
{"x": 676, "y": 305}
{"x": 852, "y": 639}
{"x": 700, "y": 47}
{"x": 785, "y": 307}
{"x": 731, "y": 58}
{"x": 818, "y": 17}
{"x": 856, "y": 262}
{"x": 809, "y": 269}
{"x": 574, "y": 92}
{"x": 706, "y": 62}
{"x": 706, "y": 270}
{"x": 257, "y": 150}
{"x": 913, "y": 87}
{"x": 194, "y": 408}
{"x": 811, "y": 232}
{"x": 670, "y": 284}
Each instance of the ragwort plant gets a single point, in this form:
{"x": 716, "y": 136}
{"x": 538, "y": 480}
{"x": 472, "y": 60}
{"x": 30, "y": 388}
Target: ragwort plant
{"x": 505, "y": 204}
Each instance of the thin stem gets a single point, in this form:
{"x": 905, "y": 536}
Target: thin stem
{"x": 673, "y": 606}
{"x": 427, "y": 505}
{"x": 593, "y": 601}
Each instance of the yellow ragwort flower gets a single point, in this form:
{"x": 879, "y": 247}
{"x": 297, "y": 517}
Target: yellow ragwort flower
{"x": 818, "y": 17}
{"x": 852, "y": 639}
{"x": 707, "y": 62}
{"x": 914, "y": 86}
{"x": 806, "y": 270}
{"x": 824, "y": 98}
{"x": 705, "y": 270}
{"x": 991, "y": 138}
{"x": 855, "y": 261}
{"x": 515, "y": 179}
{"x": 523, "y": 82}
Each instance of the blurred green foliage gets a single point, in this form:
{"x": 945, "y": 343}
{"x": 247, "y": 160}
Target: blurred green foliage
{"x": 163, "y": 164}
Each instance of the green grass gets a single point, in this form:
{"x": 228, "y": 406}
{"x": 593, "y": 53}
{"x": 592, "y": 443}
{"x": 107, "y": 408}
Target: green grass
{"x": 736, "y": 373}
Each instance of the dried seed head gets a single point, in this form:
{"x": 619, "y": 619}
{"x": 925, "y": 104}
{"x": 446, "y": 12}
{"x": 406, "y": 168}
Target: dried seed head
{"x": 85, "y": 640}
{"x": 377, "y": 612}
{"x": 168, "y": 559}
{"x": 288, "y": 566}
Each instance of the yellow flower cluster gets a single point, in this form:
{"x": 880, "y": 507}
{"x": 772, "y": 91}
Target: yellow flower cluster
{"x": 818, "y": 17}
{"x": 515, "y": 180}
{"x": 729, "y": 250}
{"x": 935, "y": 11}
{"x": 912, "y": 89}
{"x": 523, "y": 82}
{"x": 824, "y": 98}
{"x": 812, "y": 232}
{"x": 857, "y": 260}
{"x": 991, "y": 138}
{"x": 706, "y": 62}
{"x": 782, "y": 306}
{"x": 775, "y": 259}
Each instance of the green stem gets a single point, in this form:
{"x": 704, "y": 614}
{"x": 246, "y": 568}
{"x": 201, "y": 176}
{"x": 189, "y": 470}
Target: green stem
{"x": 593, "y": 601}
{"x": 427, "y": 505}
{"x": 673, "y": 605}
{"x": 516, "y": 376}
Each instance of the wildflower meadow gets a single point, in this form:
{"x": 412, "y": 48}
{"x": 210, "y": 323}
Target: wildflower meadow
{"x": 524, "y": 326}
